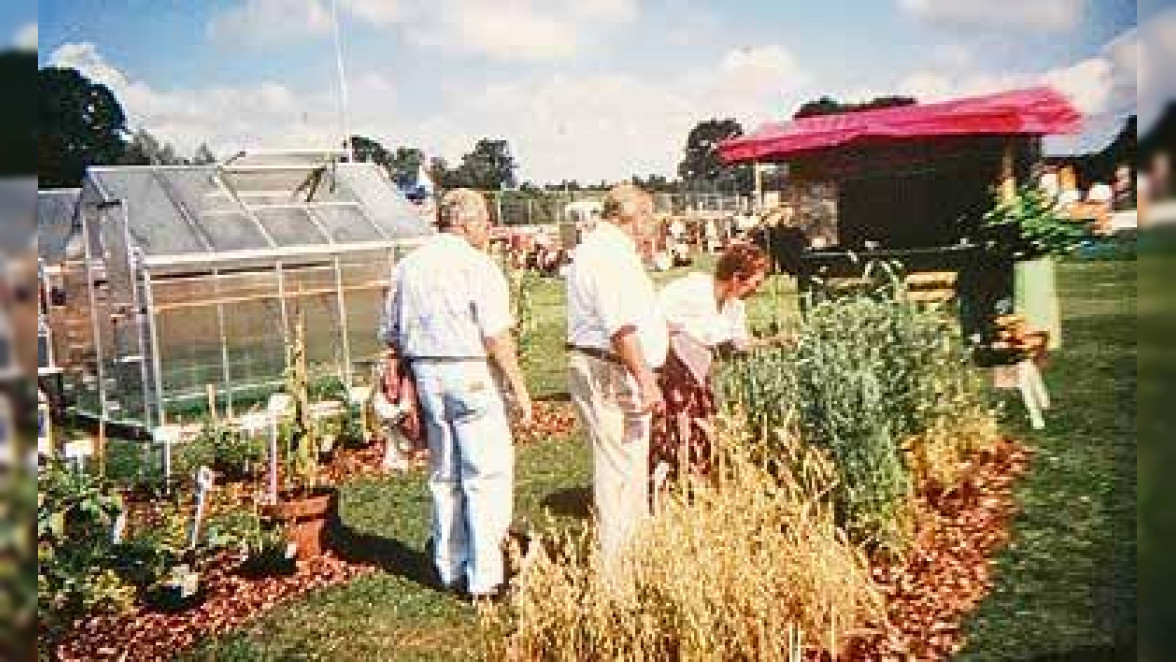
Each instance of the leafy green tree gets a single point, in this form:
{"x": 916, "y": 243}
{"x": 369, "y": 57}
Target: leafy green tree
{"x": 406, "y": 164}
{"x": 830, "y": 106}
{"x": 489, "y": 167}
{"x": 145, "y": 149}
{"x": 701, "y": 168}
{"x": 203, "y": 155}
{"x": 79, "y": 123}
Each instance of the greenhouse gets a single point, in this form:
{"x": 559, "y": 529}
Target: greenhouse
{"x": 188, "y": 280}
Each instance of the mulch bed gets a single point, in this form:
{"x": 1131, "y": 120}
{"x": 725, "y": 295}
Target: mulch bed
{"x": 230, "y": 601}
{"x": 949, "y": 570}
{"x": 929, "y": 593}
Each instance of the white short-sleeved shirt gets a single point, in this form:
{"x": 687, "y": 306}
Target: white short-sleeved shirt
{"x": 446, "y": 298}
{"x": 689, "y": 306}
{"x": 608, "y": 288}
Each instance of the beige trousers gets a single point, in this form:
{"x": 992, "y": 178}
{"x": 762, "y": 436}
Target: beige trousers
{"x": 604, "y": 395}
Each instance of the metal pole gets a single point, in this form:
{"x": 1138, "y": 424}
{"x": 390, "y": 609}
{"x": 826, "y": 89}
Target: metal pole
{"x": 224, "y": 344}
{"x": 153, "y": 326}
{"x": 342, "y": 302}
{"x": 342, "y": 82}
{"x": 95, "y": 328}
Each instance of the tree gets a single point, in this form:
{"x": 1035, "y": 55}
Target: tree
{"x": 829, "y": 106}
{"x": 203, "y": 155}
{"x": 701, "y": 167}
{"x": 145, "y": 149}
{"x": 488, "y": 167}
{"x": 367, "y": 150}
{"x": 80, "y": 123}
{"x": 406, "y": 165}
{"x": 18, "y": 137}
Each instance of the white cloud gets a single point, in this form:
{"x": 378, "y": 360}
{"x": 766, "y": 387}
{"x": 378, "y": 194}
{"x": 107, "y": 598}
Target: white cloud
{"x": 376, "y": 12}
{"x": 523, "y": 30}
{"x": 266, "y": 114}
{"x": 1049, "y": 15}
{"x": 262, "y": 23}
{"x": 506, "y": 31}
{"x": 26, "y": 37}
{"x": 587, "y": 127}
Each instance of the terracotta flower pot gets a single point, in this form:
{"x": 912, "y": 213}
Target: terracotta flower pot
{"x": 307, "y": 519}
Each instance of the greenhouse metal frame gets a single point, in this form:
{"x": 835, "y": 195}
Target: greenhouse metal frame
{"x": 192, "y": 277}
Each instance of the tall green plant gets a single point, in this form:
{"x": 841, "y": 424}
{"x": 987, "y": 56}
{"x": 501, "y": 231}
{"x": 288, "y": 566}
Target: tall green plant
{"x": 299, "y": 434}
{"x": 886, "y": 387}
{"x": 1028, "y": 226}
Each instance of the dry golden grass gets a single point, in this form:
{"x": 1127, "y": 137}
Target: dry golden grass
{"x": 746, "y": 565}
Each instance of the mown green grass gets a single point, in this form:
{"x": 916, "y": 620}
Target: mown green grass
{"x": 1066, "y": 583}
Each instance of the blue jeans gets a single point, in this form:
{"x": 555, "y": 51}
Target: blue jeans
{"x": 471, "y": 470}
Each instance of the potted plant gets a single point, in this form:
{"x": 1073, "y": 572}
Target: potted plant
{"x": 1026, "y": 230}
{"x": 302, "y": 507}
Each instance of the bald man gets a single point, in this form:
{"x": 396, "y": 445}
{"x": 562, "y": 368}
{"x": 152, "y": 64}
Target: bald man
{"x": 616, "y": 339}
{"x": 448, "y": 316}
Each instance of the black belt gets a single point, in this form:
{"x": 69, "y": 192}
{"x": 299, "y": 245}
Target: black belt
{"x": 596, "y": 353}
{"x": 445, "y": 359}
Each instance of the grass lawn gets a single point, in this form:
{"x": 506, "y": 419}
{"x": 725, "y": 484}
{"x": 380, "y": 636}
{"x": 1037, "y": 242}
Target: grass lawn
{"x": 1066, "y": 585}
{"x": 1067, "y": 582}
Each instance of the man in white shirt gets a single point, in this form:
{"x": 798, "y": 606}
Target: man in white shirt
{"x": 448, "y": 316}
{"x": 616, "y": 339}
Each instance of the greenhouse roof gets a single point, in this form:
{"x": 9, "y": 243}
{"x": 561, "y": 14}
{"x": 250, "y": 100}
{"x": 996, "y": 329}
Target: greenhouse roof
{"x": 56, "y": 222}
{"x": 257, "y": 207}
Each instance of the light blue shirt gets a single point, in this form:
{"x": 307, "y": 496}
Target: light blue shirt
{"x": 446, "y": 298}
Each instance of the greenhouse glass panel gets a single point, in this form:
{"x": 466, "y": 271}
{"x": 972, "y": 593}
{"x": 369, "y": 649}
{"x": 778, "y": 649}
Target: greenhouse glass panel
{"x": 290, "y": 226}
{"x": 56, "y": 221}
{"x": 346, "y": 223}
{"x": 253, "y": 329}
{"x": 396, "y": 217}
{"x": 217, "y": 214}
{"x": 156, "y": 223}
{"x": 189, "y": 351}
{"x": 298, "y": 184}
{"x": 312, "y": 294}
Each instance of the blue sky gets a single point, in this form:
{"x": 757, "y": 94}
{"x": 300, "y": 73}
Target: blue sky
{"x": 588, "y": 89}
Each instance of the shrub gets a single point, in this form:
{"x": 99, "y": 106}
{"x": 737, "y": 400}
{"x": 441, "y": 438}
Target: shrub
{"x": 76, "y": 514}
{"x": 750, "y": 565}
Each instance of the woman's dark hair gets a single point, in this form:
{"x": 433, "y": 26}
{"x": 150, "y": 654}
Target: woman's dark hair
{"x": 741, "y": 260}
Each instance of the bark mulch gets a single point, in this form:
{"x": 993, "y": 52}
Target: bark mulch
{"x": 229, "y": 600}
{"x": 949, "y": 570}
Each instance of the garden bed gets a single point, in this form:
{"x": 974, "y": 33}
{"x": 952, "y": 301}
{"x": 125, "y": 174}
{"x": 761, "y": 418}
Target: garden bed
{"x": 229, "y": 601}
{"x": 949, "y": 570}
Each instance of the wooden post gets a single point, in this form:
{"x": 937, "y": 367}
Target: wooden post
{"x": 1008, "y": 174}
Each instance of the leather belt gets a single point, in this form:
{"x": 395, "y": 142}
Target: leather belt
{"x": 445, "y": 359}
{"x": 596, "y": 353}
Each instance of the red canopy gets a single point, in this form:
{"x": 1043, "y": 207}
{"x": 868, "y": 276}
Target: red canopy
{"x": 1034, "y": 111}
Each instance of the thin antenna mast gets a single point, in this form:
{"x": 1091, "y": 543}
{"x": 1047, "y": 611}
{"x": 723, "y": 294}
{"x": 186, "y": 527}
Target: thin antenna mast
{"x": 342, "y": 82}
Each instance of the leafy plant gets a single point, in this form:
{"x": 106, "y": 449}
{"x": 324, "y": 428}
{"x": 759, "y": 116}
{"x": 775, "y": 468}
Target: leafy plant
{"x": 885, "y": 386}
{"x": 76, "y": 514}
{"x": 299, "y": 439}
{"x": 1028, "y": 226}
{"x": 226, "y": 450}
